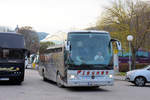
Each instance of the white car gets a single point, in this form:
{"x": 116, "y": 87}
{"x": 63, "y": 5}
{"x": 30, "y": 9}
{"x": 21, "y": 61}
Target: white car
{"x": 26, "y": 62}
{"x": 139, "y": 77}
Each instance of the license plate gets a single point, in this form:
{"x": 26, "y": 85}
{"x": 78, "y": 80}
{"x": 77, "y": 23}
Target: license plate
{"x": 4, "y": 79}
{"x": 90, "y": 84}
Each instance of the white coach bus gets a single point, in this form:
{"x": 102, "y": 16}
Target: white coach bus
{"x": 84, "y": 59}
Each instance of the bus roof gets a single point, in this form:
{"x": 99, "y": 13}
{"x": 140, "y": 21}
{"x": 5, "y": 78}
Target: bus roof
{"x": 12, "y": 40}
{"x": 10, "y": 33}
{"x": 55, "y": 46}
{"x": 90, "y": 31}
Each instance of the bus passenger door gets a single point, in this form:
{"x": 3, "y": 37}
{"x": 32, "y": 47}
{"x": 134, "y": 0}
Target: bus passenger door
{"x": 51, "y": 67}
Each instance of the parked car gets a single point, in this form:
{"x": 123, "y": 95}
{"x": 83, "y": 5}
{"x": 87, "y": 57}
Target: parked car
{"x": 29, "y": 61}
{"x": 26, "y": 62}
{"x": 32, "y": 62}
{"x": 32, "y": 57}
{"x": 139, "y": 77}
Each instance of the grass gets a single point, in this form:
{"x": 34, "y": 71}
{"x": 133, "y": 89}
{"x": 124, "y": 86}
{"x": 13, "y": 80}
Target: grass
{"x": 121, "y": 74}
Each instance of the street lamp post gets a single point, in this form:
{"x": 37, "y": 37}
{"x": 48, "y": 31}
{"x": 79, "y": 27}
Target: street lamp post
{"x": 130, "y": 38}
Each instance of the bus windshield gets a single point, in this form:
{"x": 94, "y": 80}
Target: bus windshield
{"x": 11, "y": 54}
{"x": 12, "y": 46}
{"x": 90, "y": 49}
{"x": 11, "y": 41}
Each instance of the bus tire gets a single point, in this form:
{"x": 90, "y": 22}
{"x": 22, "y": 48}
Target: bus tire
{"x": 18, "y": 82}
{"x": 58, "y": 80}
{"x": 44, "y": 78}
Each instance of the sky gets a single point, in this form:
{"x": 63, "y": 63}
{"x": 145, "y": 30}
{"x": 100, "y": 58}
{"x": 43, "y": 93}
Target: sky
{"x": 51, "y": 16}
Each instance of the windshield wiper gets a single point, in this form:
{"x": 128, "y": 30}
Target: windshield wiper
{"x": 104, "y": 66}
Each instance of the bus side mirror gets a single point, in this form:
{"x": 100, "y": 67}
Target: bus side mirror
{"x": 68, "y": 46}
{"x": 118, "y": 44}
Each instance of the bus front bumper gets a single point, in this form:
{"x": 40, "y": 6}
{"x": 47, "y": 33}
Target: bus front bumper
{"x": 6, "y": 76}
{"x": 72, "y": 83}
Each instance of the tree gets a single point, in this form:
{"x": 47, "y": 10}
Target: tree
{"x": 126, "y": 17}
{"x": 44, "y": 46}
{"x": 31, "y": 38}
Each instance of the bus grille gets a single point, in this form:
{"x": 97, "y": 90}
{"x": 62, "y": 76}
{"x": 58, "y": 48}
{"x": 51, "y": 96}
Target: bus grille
{"x": 8, "y": 65}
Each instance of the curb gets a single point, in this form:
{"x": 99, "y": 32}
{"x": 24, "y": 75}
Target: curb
{"x": 120, "y": 78}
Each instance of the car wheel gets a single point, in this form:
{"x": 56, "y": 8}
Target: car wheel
{"x": 140, "y": 81}
{"x": 58, "y": 81}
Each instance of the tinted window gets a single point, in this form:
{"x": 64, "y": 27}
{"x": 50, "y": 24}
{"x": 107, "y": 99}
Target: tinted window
{"x": 11, "y": 54}
{"x": 90, "y": 48}
{"x": 11, "y": 41}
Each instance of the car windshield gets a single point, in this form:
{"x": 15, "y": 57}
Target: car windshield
{"x": 90, "y": 49}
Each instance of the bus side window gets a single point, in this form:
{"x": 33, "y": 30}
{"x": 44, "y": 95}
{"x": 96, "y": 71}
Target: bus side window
{"x": 59, "y": 50}
{"x": 53, "y": 50}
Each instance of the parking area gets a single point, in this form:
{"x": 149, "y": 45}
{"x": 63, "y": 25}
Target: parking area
{"x": 34, "y": 88}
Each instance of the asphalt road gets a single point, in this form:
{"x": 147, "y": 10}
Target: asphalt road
{"x": 34, "y": 88}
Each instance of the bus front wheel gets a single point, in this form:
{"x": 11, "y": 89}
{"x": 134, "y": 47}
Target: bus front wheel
{"x": 44, "y": 78}
{"x": 18, "y": 82}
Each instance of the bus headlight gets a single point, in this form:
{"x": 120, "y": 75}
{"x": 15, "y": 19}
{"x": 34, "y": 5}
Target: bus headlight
{"x": 72, "y": 77}
{"x": 17, "y": 69}
{"x": 110, "y": 76}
